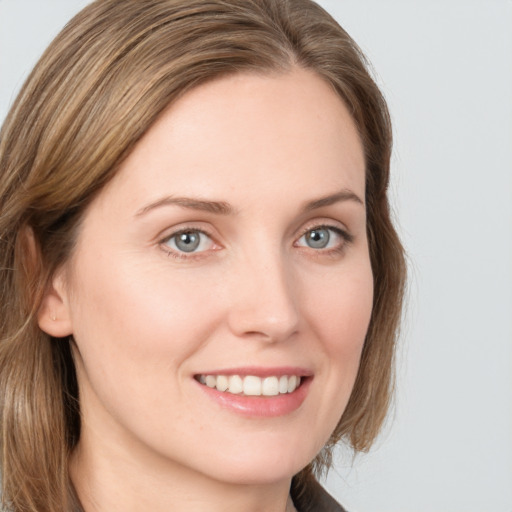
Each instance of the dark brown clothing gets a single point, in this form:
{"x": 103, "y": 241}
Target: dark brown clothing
{"x": 315, "y": 498}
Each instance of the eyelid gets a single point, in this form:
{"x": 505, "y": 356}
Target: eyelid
{"x": 168, "y": 234}
{"x": 174, "y": 232}
{"x": 335, "y": 226}
{"x": 346, "y": 238}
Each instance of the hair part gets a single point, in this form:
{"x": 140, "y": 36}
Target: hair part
{"x": 95, "y": 92}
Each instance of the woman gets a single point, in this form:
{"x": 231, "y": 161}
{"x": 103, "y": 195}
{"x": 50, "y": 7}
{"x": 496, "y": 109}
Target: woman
{"x": 201, "y": 285}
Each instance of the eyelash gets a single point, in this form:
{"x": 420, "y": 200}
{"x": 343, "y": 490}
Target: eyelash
{"x": 346, "y": 237}
{"x": 183, "y": 255}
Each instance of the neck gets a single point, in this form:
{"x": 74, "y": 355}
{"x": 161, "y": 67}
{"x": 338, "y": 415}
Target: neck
{"x": 107, "y": 481}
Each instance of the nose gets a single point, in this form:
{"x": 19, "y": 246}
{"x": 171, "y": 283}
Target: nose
{"x": 264, "y": 299}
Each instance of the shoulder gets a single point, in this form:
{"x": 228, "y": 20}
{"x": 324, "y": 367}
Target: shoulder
{"x": 314, "y": 498}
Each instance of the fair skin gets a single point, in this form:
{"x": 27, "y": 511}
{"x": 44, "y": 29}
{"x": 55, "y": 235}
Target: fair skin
{"x": 232, "y": 242}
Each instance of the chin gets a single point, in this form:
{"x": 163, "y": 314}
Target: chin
{"x": 261, "y": 467}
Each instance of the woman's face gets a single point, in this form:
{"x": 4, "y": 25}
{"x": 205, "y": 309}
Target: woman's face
{"x": 230, "y": 251}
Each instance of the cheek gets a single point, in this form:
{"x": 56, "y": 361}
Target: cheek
{"x": 340, "y": 317}
{"x": 338, "y": 314}
{"x": 132, "y": 325}
{"x": 342, "y": 310}
{"x": 135, "y": 331}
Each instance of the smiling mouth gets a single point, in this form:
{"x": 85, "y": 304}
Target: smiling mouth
{"x": 251, "y": 385}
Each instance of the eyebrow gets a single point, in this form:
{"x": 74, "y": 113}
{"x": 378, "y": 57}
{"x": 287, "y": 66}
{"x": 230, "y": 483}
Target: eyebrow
{"x": 223, "y": 208}
{"x": 217, "y": 207}
{"x": 343, "y": 195}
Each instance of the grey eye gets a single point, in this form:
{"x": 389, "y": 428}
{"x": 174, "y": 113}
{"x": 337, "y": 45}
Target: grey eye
{"x": 318, "y": 238}
{"x": 324, "y": 237}
{"x": 188, "y": 241}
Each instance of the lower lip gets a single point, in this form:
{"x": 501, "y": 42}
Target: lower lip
{"x": 260, "y": 406}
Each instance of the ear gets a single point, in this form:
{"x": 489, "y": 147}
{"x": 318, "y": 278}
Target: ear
{"x": 53, "y": 316}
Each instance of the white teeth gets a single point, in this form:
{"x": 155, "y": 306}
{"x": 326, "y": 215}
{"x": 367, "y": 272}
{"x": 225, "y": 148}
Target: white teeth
{"x": 236, "y": 384}
{"x": 211, "y": 381}
{"x": 251, "y": 385}
{"x": 283, "y": 384}
{"x": 292, "y": 383}
{"x": 270, "y": 386}
{"x": 222, "y": 383}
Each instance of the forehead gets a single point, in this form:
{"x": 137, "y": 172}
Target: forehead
{"x": 249, "y": 133}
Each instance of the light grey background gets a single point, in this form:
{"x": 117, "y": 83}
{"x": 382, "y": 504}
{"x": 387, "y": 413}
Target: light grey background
{"x": 446, "y": 69}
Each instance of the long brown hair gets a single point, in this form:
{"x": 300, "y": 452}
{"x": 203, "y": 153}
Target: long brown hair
{"x": 95, "y": 92}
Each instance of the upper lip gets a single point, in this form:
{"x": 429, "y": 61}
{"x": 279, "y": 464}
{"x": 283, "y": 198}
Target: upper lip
{"x": 259, "y": 371}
